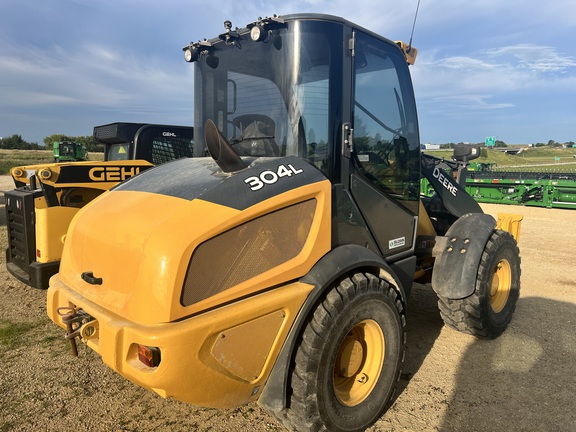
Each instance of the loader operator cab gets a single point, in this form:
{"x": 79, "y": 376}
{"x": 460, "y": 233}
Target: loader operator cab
{"x": 279, "y": 268}
{"x": 294, "y": 88}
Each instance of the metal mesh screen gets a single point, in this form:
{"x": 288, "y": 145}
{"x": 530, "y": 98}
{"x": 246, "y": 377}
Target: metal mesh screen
{"x": 106, "y": 131}
{"x": 167, "y": 149}
{"x": 247, "y": 251}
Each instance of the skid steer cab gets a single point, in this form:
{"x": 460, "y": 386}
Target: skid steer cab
{"x": 279, "y": 269}
{"x": 48, "y": 196}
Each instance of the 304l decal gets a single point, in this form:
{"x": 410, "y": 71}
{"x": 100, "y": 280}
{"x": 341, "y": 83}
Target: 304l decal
{"x": 270, "y": 177}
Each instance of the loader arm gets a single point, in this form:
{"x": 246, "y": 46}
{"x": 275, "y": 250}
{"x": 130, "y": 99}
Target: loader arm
{"x": 452, "y": 196}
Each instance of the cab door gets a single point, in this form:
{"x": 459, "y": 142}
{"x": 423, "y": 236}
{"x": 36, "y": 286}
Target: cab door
{"x": 386, "y": 170}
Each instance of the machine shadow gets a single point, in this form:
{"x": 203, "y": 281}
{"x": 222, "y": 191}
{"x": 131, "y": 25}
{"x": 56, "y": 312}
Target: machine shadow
{"x": 522, "y": 381}
{"x": 423, "y": 326}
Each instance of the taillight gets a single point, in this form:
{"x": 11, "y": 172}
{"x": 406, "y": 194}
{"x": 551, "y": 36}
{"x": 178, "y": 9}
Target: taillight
{"x": 150, "y": 356}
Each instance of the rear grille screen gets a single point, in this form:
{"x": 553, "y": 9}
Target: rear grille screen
{"x": 247, "y": 251}
{"x": 20, "y": 224}
{"x": 167, "y": 149}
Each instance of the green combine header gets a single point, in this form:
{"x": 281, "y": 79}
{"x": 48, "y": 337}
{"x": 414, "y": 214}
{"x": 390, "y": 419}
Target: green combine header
{"x": 536, "y": 189}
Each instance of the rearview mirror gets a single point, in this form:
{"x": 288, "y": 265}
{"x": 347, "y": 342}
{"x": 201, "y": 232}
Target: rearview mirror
{"x": 466, "y": 152}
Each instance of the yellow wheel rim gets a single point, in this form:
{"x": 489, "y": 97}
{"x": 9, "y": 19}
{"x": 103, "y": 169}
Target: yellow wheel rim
{"x": 359, "y": 362}
{"x": 501, "y": 284}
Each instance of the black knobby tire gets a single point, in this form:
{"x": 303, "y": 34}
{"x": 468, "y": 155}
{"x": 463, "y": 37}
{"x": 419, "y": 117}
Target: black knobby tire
{"x": 347, "y": 363}
{"x": 488, "y": 311}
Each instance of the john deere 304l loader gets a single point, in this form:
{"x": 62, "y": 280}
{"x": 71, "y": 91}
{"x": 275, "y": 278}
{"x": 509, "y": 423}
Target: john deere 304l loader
{"x": 48, "y": 196}
{"x": 279, "y": 269}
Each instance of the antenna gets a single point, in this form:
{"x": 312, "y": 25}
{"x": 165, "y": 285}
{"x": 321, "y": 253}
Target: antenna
{"x": 413, "y": 26}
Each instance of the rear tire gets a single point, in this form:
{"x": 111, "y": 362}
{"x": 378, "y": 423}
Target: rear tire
{"x": 488, "y": 311}
{"x": 347, "y": 363}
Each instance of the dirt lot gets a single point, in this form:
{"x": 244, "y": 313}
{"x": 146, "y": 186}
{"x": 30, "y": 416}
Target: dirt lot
{"x": 523, "y": 381}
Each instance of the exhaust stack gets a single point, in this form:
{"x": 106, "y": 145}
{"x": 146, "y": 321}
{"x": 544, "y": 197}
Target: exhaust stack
{"x": 221, "y": 150}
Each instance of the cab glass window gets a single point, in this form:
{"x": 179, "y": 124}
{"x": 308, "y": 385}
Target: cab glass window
{"x": 386, "y": 144}
{"x": 276, "y": 97}
{"x": 118, "y": 152}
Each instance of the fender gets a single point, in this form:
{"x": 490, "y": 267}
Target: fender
{"x": 332, "y": 266}
{"x": 458, "y": 255}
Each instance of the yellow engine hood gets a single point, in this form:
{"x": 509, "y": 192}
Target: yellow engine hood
{"x": 140, "y": 237}
{"x": 139, "y": 244}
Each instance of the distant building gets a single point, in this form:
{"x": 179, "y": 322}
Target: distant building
{"x": 430, "y": 146}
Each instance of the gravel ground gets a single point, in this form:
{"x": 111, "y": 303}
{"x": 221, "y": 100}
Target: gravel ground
{"x": 523, "y": 381}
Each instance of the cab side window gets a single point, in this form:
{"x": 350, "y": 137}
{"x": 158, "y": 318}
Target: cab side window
{"x": 386, "y": 146}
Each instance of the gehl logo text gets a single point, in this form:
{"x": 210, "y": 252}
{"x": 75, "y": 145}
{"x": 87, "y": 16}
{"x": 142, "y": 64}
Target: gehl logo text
{"x": 112, "y": 174}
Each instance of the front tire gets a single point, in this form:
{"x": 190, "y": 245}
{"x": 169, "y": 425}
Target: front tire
{"x": 347, "y": 363}
{"x": 488, "y": 311}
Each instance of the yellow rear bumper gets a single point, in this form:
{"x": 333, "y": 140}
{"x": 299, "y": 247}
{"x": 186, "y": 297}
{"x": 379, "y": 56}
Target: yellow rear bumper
{"x": 221, "y": 358}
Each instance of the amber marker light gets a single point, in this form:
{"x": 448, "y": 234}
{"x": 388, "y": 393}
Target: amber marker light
{"x": 150, "y": 356}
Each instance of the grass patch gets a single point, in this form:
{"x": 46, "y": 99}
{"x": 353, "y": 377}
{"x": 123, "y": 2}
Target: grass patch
{"x": 530, "y": 156}
{"x": 48, "y": 340}
{"x": 13, "y": 158}
{"x": 7, "y": 426}
{"x": 11, "y": 333}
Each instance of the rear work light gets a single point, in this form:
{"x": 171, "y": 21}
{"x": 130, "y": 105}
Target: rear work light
{"x": 150, "y": 356}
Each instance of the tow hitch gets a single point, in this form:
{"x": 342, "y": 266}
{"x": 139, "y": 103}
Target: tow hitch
{"x": 78, "y": 324}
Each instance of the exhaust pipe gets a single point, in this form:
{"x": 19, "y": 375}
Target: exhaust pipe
{"x": 221, "y": 150}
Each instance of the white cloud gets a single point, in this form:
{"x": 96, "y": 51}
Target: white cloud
{"x": 534, "y": 57}
{"x": 90, "y": 75}
{"x": 502, "y": 71}
{"x": 467, "y": 64}
{"x": 471, "y": 102}
{"x": 479, "y": 59}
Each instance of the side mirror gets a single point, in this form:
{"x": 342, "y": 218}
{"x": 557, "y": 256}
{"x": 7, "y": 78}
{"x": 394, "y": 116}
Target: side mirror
{"x": 466, "y": 152}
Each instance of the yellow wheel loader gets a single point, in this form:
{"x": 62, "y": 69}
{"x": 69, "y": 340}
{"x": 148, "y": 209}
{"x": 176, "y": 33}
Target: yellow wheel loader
{"x": 48, "y": 196}
{"x": 279, "y": 269}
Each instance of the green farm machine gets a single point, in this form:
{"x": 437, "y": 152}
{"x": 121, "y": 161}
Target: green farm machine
{"x": 549, "y": 189}
{"x": 69, "y": 151}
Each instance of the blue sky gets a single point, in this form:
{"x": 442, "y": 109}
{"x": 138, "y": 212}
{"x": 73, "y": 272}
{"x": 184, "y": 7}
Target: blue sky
{"x": 487, "y": 68}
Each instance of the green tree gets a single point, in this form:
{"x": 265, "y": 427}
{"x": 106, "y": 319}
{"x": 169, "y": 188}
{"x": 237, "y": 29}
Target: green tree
{"x": 89, "y": 142}
{"x": 49, "y": 140}
{"x": 311, "y": 136}
{"x": 16, "y": 142}
{"x": 361, "y": 137}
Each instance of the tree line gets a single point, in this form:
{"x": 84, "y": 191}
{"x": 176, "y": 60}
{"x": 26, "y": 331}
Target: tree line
{"x": 16, "y": 142}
